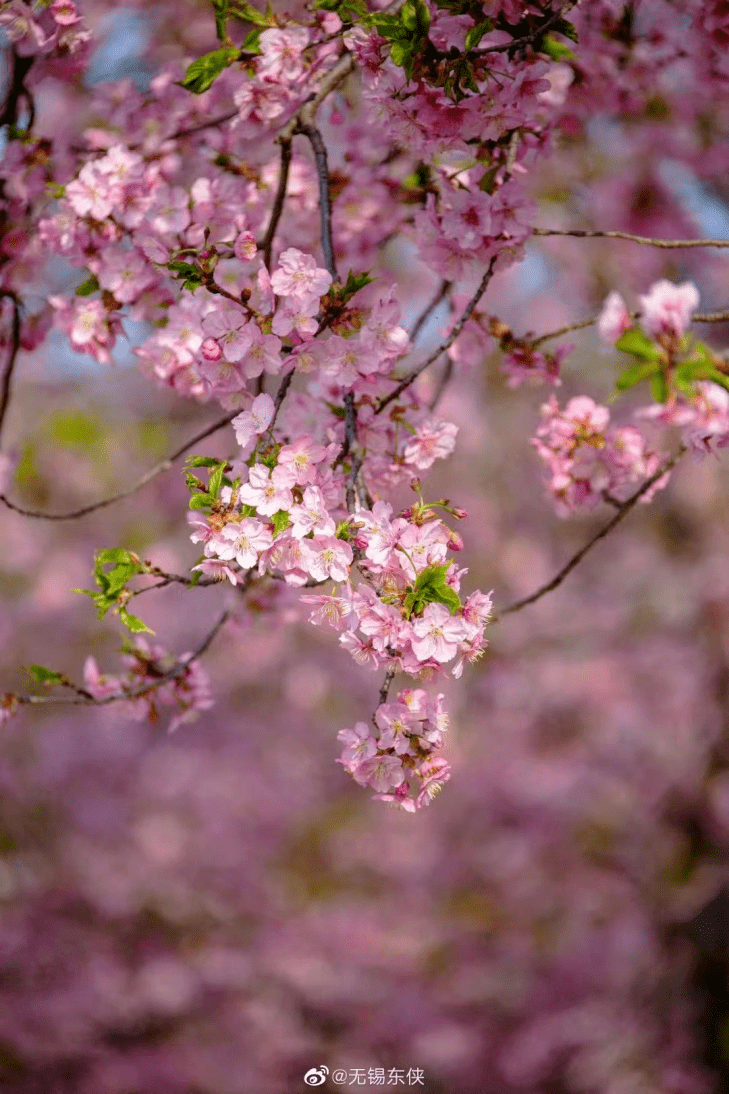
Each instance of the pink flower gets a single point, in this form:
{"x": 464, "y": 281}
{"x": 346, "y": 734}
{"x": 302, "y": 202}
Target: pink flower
{"x": 382, "y": 772}
{"x": 437, "y": 634}
{"x": 667, "y": 308}
{"x": 228, "y": 325}
{"x": 64, "y": 12}
{"x": 359, "y": 745}
{"x": 302, "y": 456}
{"x": 312, "y": 515}
{"x": 126, "y": 274}
{"x": 334, "y": 610}
{"x": 327, "y": 557}
{"x": 268, "y": 491}
{"x": 255, "y": 421}
{"x": 217, "y": 569}
{"x": 433, "y": 441}
{"x": 614, "y": 319}
{"x": 297, "y": 274}
{"x": 281, "y": 54}
{"x": 244, "y": 542}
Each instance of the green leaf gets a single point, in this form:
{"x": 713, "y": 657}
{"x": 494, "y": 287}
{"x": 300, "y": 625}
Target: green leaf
{"x": 183, "y": 269}
{"x": 251, "y": 41}
{"x": 558, "y": 51}
{"x": 201, "y": 501}
{"x": 638, "y": 344}
{"x": 203, "y": 72}
{"x": 192, "y": 283}
{"x": 88, "y": 287}
{"x": 659, "y": 387}
{"x": 403, "y": 55}
{"x": 353, "y": 284}
{"x": 216, "y": 480}
{"x": 634, "y": 374}
{"x": 719, "y": 378}
{"x": 242, "y": 10}
{"x": 134, "y": 623}
{"x": 45, "y": 676}
{"x": 202, "y": 461}
{"x": 476, "y": 33}
{"x": 280, "y": 522}
{"x": 444, "y": 594}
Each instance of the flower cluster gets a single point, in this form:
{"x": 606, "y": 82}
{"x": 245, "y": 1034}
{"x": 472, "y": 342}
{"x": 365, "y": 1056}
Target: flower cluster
{"x": 187, "y": 692}
{"x": 588, "y": 459}
{"x": 400, "y": 746}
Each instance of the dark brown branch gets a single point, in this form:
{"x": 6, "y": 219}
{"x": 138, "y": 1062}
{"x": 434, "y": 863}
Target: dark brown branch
{"x": 445, "y": 344}
{"x": 160, "y": 469}
{"x": 325, "y": 203}
{"x": 385, "y": 689}
{"x": 266, "y": 243}
{"x": 623, "y": 510}
{"x": 14, "y": 344}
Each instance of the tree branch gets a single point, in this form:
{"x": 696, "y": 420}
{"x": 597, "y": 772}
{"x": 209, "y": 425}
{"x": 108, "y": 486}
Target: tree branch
{"x": 445, "y": 344}
{"x": 173, "y": 673}
{"x": 429, "y": 309}
{"x": 325, "y": 203}
{"x": 646, "y": 241}
{"x": 581, "y": 324}
{"x": 160, "y": 469}
{"x": 623, "y": 510}
{"x": 266, "y": 244}
{"x": 14, "y": 342}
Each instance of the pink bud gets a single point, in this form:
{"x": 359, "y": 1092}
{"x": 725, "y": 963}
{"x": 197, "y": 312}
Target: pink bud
{"x": 459, "y": 514}
{"x": 245, "y": 247}
{"x": 211, "y": 350}
{"x": 455, "y": 542}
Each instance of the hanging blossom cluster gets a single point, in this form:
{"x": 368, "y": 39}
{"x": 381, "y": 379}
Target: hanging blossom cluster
{"x": 208, "y": 211}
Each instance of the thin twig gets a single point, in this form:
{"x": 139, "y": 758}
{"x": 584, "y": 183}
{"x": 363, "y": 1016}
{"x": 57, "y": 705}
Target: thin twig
{"x": 646, "y": 241}
{"x": 622, "y": 512}
{"x": 178, "y": 669}
{"x": 385, "y": 689}
{"x": 519, "y": 44}
{"x": 350, "y": 428}
{"x": 429, "y": 309}
{"x": 160, "y": 469}
{"x": 5, "y": 384}
{"x": 280, "y": 396}
{"x": 445, "y": 344}
{"x": 266, "y": 244}
{"x": 702, "y": 317}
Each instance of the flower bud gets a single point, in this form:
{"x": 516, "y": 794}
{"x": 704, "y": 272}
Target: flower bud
{"x": 208, "y": 259}
{"x": 211, "y": 350}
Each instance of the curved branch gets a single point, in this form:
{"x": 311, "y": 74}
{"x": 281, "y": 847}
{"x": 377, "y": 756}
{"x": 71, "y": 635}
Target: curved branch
{"x": 160, "y": 469}
{"x": 325, "y": 202}
{"x": 622, "y": 512}
{"x": 266, "y": 243}
{"x": 445, "y": 344}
